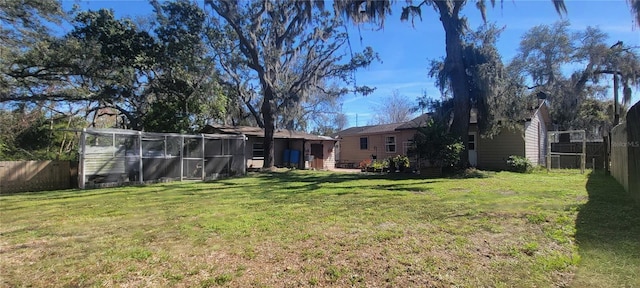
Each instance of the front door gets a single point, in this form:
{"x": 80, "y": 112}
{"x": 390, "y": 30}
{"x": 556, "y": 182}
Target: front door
{"x": 472, "y": 148}
{"x": 318, "y": 156}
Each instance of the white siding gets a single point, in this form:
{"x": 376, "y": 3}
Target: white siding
{"x": 542, "y": 143}
{"x": 531, "y": 140}
{"x": 535, "y": 138}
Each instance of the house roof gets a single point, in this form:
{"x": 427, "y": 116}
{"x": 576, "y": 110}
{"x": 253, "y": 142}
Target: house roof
{"x": 415, "y": 122}
{"x": 385, "y": 128}
{"x": 259, "y": 132}
{"x": 371, "y": 129}
{"x": 421, "y": 121}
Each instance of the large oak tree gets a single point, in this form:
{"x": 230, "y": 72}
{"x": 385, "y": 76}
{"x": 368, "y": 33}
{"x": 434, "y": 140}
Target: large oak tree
{"x": 454, "y": 26}
{"x": 291, "y": 48}
{"x": 548, "y": 52}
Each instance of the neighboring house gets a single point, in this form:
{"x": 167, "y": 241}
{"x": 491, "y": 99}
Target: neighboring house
{"x": 530, "y": 142}
{"x": 384, "y": 141}
{"x": 291, "y": 148}
{"x": 376, "y": 141}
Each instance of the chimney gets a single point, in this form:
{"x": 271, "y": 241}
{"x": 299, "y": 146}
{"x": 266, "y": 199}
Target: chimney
{"x": 541, "y": 98}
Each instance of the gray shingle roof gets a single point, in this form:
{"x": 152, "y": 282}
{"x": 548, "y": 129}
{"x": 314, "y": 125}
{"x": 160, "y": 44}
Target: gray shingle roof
{"x": 415, "y": 122}
{"x": 384, "y": 128}
{"x": 259, "y": 132}
{"x": 411, "y": 124}
{"x": 372, "y": 129}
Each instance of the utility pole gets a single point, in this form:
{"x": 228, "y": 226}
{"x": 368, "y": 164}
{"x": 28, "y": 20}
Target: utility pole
{"x": 616, "y": 106}
{"x": 616, "y": 114}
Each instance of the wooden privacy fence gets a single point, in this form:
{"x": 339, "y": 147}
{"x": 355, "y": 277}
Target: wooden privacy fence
{"x": 625, "y": 152}
{"x": 23, "y": 176}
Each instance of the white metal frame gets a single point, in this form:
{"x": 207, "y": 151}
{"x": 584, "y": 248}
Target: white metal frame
{"x": 82, "y": 176}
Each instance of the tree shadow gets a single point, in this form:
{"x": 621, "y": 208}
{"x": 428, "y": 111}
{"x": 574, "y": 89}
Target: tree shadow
{"x": 608, "y": 225}
{"x": 278, "y": 186}
{"x": 55, "y": 194}
{"x": 316, "y": 180}
{"x": 316, "y": 187}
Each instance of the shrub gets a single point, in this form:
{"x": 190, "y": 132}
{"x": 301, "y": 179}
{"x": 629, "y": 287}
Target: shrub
{"x": 377, "y": 165}
{"x": 392, "y": 164}
{"x": 364, "y": 164}
{"x": 519, "y": 164}
{"x": 401, "y": 162}
{"x": 434, "y": 143}
{"x": 472, "y": 173}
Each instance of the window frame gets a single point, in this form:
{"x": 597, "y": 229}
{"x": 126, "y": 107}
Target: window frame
{"x": 471, "y": 142}
{"x": 388, "y": 144}
{"x": 366, "y": 143}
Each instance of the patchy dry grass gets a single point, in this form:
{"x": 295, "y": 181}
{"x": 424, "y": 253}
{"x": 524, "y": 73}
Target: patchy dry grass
{"x": 302, "y": 228}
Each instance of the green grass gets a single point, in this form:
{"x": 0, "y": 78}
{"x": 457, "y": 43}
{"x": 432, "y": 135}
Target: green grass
{"x": 303, "y": 228}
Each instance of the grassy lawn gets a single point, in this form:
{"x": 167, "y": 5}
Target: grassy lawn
{"x": 305, "y": 228}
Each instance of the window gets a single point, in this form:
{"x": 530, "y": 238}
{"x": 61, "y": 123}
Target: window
{"x": 390, "y": 144}
{"x": 258, "y": 151}
{"x": 472, "y": 142}
{"x": 364, "y": 143}
{"x": 406, "y": 145}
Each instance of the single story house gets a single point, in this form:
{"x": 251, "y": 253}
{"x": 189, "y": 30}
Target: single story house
{"x": 375, "y": 141}
{"x": 383, "y": 141}
{"x": 291, "y": 148}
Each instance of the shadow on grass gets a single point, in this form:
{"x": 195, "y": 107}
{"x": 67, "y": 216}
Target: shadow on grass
{"x": 339, "y": 177}
{"x": 608, "y": 228}
{"x": 291, "y": 182}
{"x": 313, "y": 186}
{"x": 56, "y": 194}
{"x": 315, "y": 180}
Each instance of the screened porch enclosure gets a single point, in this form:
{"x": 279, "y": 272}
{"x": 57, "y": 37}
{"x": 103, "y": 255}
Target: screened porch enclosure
{"x": 114, "y": 156}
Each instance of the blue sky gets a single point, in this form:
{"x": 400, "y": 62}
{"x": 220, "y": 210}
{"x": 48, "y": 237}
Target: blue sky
{"x": 405, "y": 50}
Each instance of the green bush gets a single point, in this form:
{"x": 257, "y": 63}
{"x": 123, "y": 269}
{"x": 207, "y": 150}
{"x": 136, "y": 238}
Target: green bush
{"x": 378, "y": 166}
{"x": 434, "y": 143}
{"x": 398, "y": 162}
{"x": 519, "y": 164}
{"x": 391, "y": 164}
{"x": 401, "y": 161}
{"x": 472, "y": 173}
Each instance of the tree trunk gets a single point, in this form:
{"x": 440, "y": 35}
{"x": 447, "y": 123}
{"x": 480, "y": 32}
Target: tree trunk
{"x": 458, "y": 77}
{"x": 269, "y": 127}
